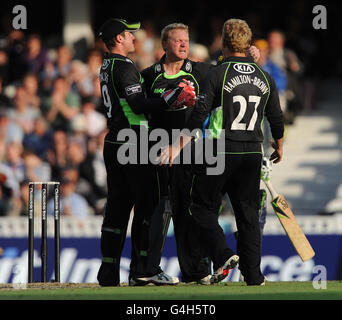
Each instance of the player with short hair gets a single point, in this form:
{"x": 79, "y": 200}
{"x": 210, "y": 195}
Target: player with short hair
{"x": 131, "y": 184}
{"x": 176, "y": 182}
{"x": 237, "y": 93}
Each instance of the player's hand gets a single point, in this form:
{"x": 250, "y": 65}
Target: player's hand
{"x": 277, "y": 155}
{"x": 168, "y": 155}
{"x": 254, "y": 52}
{"x": 182, "y": 96}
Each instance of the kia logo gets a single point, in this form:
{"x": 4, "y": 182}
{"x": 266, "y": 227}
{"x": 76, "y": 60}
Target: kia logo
{"x": 244, "y": 68}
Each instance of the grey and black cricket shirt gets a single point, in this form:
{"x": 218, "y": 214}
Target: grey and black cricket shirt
{"x": 124, "y": 95}
{"x": 237, "y": 94}
{"x": 157, "y": 81}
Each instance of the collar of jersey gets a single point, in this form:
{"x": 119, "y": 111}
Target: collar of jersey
{"x": 159, "y": 66}
{"x": 109, "y": 55}
{"x": 237, "y": 59}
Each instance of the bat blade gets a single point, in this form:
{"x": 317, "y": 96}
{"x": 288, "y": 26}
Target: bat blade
{"x": 292, "y": 228}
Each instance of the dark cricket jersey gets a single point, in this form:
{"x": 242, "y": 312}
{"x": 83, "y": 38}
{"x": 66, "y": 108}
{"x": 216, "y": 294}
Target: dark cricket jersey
{"x": 124, "y": 95}
{"x": 237, "y": 94}
{"x": 157, "y": 81}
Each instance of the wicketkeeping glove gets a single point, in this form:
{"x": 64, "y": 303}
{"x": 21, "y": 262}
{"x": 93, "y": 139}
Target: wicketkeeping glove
{"x": 183, "y": 95}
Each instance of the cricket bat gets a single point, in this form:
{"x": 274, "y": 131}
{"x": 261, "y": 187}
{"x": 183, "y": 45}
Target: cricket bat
{"x": 289, "y": 223}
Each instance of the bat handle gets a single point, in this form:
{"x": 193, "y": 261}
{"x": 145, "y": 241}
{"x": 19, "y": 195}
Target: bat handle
{"x": 270, "y": 188}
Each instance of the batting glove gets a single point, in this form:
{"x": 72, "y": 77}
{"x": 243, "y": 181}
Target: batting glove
{"x": 266, "y": 169}
{"x": 183, "y": 95}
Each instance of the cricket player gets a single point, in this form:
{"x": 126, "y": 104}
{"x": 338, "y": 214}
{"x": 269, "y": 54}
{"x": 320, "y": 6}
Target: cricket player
{"x": 237, "y": 93}
{"x": 176, "y": 182}
{"x": 132, "y": 184}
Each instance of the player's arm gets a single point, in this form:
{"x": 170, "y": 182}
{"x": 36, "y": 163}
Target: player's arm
{"x": 198, "y": 116}
{"x": 135, "y": 94}
{"x": 274, "y": 115}
{"x": 133, "y": 90}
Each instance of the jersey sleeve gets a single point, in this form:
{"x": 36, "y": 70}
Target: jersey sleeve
{"x": 273, "y": 112}
{"x": 132, "y": 89}
{"x": 204, "y": 103}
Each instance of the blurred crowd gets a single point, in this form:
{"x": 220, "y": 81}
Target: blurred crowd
{"x": 51, "y": 122}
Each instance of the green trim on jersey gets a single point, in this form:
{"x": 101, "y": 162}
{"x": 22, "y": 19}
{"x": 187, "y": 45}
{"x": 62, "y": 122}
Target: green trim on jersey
{"x": 109, "y": 260}
{"x": 216, "y": 116}
{"x": 155, "y": 80}
{"x": 181, "y": 73}
{"x": 133, "y": 118}
{"x": 216, "y": 122}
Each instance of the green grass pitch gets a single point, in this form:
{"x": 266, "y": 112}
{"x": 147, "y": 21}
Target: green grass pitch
{"x": 222, "y": 291}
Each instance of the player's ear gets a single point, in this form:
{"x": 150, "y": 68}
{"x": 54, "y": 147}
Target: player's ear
{"x": 164, "y": 46}
{"x": 119, "y": 37}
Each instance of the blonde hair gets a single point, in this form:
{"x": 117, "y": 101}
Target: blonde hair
{"x": 236, "y": 35}
{"x": 165, "y": 32}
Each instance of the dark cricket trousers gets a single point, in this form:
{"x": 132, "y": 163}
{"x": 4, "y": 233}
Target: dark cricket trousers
{"x": 129, "y": 185}
{"x": 241, "y": 180}
{"x": 193, "y": 258}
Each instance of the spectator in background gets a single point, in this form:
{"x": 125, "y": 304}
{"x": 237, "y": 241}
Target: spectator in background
{"x": 15, "y": 48}
{"x": 31, "y": 85}
{"x": 276, "y": 72}
{"x": 5, "y": 101}
{"x": 5, "y": 195}
{"x": 35, "y": 168}
{"x": 60, "y": 68}
{"x": 215, "y": 46}
{"x": 199, "y": 53}
{"x": 152, "y": 38}
{"x": 76, "y": 152}
{"x": 79, "y": 79}
{"x": 93, "y": 171}
{"x": 40, "y": 139}
{"x": 95, "y": 122}
{"x": 94, "y": 62}
{"x": 71, "y": 203}
{"x": 57, "y": 155}
{"x": 9, "y": 130}
{"x": 23, "y": 113}
{"x": 142, "y": 57}
{"x": 280, "y": 79}
{"x": 35, "y": 55}
{"x": 97, "y": 94}
{"x": 62, "y": 106}
{"x": 22, "y": 204}
{"x": 4, "y": 66}
{"x": 13, "y": 166}
{"x": 78, "y": 131}
{"x": 288, "y": 61}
